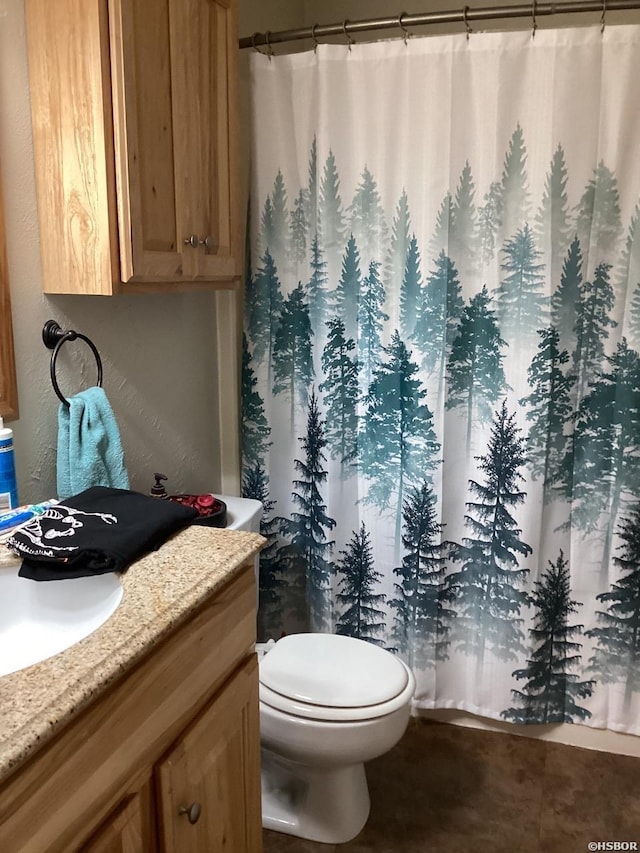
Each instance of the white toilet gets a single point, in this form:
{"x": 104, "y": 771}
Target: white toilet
{"x": 328, "y": 704}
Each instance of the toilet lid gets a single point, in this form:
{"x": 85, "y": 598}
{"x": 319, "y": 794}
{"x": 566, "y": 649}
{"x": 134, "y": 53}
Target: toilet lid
{"x": 332, "y": 670}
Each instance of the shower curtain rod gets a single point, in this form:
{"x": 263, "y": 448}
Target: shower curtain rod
{"x": 465, "y": 16}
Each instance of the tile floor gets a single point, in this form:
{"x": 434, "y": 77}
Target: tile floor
{"x": 448, "y": 789}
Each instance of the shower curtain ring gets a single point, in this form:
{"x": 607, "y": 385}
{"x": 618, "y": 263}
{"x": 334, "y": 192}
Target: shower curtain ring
{"x": 315, "y": 40}
{"x": 253, "y": 42}
{"x": 602, "y": 17}
{"x": 405, "y": 32}
{"x": 350, "y": 41}
{"x": 466, "y": 23}
{"x": 268, "y": 43}
{"x": 534, "y": 24}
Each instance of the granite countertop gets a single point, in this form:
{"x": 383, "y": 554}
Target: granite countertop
{"x": 160, "y": 591}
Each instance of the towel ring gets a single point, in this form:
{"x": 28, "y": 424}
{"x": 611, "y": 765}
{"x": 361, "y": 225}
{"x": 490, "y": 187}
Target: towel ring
{"x": 53, "y": 338}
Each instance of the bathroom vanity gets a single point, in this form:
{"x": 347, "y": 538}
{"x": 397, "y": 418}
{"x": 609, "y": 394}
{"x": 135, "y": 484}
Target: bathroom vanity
{"x": 145, "y": 735}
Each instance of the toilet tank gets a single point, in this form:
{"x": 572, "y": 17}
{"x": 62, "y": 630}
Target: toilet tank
{"x": 244, "y": 514}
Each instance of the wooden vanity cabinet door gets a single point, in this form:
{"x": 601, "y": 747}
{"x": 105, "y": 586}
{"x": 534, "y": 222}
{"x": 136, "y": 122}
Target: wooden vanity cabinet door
{"x": 122, "y": 832}
{"x": 209, "y": 784}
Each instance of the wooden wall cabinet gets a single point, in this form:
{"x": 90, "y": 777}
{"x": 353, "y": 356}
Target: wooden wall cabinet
{"x": 134, "y": 110}
{"x": 8, "y": 386}
{"x": 168, "y": 759}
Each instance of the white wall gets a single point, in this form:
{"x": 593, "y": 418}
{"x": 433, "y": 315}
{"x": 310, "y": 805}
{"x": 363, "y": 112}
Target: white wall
{"x": 159, "y": 352}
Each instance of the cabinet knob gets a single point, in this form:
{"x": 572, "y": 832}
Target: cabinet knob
{"x": 194, "y": 241}
{"x": 192, "y": 812}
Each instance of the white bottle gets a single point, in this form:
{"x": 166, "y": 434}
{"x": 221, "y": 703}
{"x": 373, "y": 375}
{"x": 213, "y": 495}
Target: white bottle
{"x": 8, "y": 483}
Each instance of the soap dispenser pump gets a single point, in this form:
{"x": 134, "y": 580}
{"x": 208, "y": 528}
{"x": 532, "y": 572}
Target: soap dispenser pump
{"x": 158, "y": 490}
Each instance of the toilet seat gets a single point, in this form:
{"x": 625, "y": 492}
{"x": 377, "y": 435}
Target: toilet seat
{"x": 333, "y": 677}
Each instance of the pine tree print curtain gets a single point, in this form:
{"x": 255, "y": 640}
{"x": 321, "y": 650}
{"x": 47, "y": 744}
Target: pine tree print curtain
{"x": 441, "y": 369}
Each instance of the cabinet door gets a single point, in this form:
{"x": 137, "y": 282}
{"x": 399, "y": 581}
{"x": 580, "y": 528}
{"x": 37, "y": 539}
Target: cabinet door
{"x": 174, "y": 98}
{"x": 148, "y": 133}
{"x": 209, "y": 784}
{"x": 8, "y": 387}
{"x": 122, "y": 832}
{"x": 71, "y": 114}
{"x": 207, "y": 31}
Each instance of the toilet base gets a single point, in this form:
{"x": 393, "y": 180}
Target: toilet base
{"x": 329, "y": 805}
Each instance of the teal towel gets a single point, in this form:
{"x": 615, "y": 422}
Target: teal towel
{"x": 89, "y": 447}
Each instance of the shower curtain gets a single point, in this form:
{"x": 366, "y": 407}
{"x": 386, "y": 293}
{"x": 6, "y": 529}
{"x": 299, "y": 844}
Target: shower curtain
{"x": 441, "y": 368}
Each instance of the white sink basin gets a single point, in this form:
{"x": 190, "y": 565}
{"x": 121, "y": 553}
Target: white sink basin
{"x": 41, "y": 619}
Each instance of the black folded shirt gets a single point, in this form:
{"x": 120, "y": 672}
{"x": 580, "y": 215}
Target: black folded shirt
{"x": 97, "y": 531}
